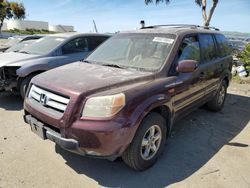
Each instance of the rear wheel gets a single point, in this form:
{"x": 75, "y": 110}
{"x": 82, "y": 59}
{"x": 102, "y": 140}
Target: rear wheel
{"x": 148, "y": 143}
{"x": 217, "y": 103}
{"x": 24, "y": 85}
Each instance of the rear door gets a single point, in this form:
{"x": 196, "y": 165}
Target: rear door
{"x": 224, "y": 55}
{"x": 210, "y": 63}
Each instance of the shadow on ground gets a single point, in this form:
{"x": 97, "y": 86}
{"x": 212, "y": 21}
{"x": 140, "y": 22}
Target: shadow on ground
{"x": 11, "y": 102}
{"x": 194, "y": 141}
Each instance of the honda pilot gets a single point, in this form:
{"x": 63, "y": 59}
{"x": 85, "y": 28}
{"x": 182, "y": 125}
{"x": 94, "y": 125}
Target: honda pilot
{"x": 124, "y": 98}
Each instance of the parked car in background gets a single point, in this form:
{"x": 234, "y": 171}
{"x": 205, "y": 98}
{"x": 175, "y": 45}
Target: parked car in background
{"x": 17, "y": 39}
{"x": 17, "y": 69}
{"x": 125, "y": 98}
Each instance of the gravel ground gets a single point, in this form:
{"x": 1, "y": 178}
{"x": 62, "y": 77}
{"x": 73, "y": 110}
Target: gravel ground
{"x": 206, "y": 150}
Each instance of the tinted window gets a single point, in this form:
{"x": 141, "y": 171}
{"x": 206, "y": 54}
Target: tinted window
{"x": 189, "y": 49}
{"x": 208, "y": 47}
{"x": 96, "y": 41}
{"x": 75, "y": 46}
{"x": 224, "y": 49}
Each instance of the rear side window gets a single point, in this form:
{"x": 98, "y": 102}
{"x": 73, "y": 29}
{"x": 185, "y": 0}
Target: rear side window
{"x": 75, "y": 46}
{"x": 222, "y": 43}
{"x": 207, "y": 47}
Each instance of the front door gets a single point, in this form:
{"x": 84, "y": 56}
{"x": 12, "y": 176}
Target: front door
{"x": 189, "y": 87}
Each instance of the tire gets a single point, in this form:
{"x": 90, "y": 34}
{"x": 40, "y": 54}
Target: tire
{"x": 217, "y": 103}
{"x": 24, "y": 85}
{"x": 135, "y": 156}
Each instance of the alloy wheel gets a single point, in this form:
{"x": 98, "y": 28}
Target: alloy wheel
{"x": 151, "y": 142}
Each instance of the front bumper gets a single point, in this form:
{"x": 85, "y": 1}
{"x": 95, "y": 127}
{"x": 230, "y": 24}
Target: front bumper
{"x": 90, "y": 143}
{"x": 46, "y": 133}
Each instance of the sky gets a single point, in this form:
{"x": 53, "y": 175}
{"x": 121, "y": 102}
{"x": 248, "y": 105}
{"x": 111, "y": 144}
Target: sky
{"x": 119, "y": 15}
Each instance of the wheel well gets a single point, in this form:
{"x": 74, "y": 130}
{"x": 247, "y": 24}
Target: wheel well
{"x": 165, "y": 113}
{"x": 20, "y": 79}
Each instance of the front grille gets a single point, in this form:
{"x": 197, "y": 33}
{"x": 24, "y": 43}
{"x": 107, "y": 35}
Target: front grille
{"x": 48, "y": 99}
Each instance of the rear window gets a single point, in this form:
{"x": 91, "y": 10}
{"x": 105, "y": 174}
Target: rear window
{"x": 223, "y": 46}
{"x": 207, "y": 47}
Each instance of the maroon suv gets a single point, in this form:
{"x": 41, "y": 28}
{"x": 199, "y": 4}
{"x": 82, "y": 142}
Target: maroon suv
{"x": 124, "y": 98}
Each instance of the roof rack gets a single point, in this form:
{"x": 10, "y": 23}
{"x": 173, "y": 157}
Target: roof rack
{"x": 182, "y": 26}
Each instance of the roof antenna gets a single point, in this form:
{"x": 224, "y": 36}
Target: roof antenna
{"x": 142, "y": 23}
{"x": 95, "y": 28}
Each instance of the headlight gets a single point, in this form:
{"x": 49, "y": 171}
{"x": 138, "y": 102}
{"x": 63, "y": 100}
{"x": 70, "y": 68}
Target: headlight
{"x": 104, "y": 106}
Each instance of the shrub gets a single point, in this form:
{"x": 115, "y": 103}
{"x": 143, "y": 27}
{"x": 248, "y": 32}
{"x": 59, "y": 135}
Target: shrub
{"x": 245, "y": 56}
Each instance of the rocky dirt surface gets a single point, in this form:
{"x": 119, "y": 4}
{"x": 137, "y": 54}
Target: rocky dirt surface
{"x": 205, "y": 150}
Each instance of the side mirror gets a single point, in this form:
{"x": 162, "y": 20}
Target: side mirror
{"x": 186, "y": 66}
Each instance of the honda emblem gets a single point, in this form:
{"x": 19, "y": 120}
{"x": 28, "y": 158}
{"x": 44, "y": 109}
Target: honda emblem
{"x": 43, "y": 99}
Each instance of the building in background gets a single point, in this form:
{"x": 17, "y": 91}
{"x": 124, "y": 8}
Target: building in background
{"x": 61, "y": 28}
{"x": 39, "y": 25}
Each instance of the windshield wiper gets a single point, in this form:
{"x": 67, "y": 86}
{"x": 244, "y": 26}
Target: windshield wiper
{"x": 24, "y": 52}
{"x": 105, "y": 64}
{"x": 113, "y": 65}
{"x": 86, "y": 61}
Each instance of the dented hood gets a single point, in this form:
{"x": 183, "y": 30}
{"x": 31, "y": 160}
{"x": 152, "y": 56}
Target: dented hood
{"x": 81, "y": 78}
{"x": 15, "y": 59}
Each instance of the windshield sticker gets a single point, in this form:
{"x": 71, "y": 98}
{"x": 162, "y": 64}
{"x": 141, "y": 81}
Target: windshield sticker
{"x": 163, "y": 40}
{"x": 59, "y": 39}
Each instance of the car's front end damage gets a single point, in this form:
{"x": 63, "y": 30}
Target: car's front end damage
{"x": 8, "y": 78}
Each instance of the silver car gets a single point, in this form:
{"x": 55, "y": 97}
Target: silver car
{"x": 18, "y": 68}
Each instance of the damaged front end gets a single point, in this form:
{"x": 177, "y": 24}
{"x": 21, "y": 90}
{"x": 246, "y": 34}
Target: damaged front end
{"x": 8, "y": 78}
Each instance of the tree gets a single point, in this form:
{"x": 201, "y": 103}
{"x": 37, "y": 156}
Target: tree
{"x": 10, "y": 10}
{"x": 244, "y": 56}
{"x": 201, "y": 3}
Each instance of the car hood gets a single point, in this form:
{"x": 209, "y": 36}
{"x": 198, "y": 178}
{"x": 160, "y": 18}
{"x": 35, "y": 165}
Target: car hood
{"x": 83, "y": 78}
{"x": 15, "y": 59}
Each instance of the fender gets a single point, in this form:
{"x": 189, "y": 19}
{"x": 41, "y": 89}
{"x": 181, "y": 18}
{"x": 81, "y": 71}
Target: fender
{"x": 27, "y": 70}
{"x": 143, "y": 109}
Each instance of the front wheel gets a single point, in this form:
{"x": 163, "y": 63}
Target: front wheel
{"x": 217, "y": 103}
{"x": 148, "y": 143}
{"x": 24, "y": 85}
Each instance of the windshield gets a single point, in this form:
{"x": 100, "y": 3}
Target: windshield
{"x": 43, "y": 46}
{"x": 12, "y": 41}
{"x": 137, "y": 51}
{"x": 19, "y": 46}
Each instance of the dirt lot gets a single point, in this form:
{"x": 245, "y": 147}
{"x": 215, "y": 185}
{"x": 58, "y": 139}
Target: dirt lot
{"x": 206, "y": 150}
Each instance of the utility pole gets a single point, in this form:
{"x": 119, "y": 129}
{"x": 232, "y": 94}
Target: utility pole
{"x": 95, "y": 26}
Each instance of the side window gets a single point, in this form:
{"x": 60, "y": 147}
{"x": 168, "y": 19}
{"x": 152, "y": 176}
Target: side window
{"x": 75, "y": 46}
{"x": 223, "y": 46}
{"x": 96, "y": 41}
{"x": 189, "y": 49}
{"x": 207, "y": 47}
